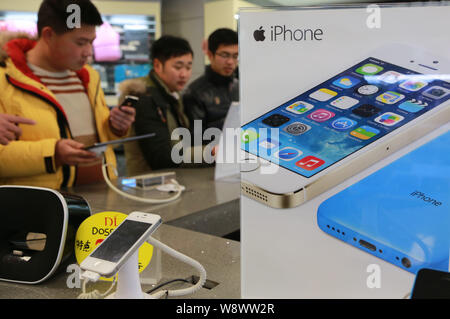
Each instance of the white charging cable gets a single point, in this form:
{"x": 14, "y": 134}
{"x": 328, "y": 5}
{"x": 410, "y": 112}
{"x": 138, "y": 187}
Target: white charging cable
{"x": 177, "y": 188}
{"x": 188, "y": 260}
{"x": 90, "y": 276}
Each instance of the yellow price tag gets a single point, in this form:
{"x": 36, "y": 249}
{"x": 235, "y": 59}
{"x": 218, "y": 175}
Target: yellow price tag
{"x": 94, "y": 229}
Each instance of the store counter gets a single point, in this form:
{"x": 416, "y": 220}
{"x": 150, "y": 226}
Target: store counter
{"x": 204, "y": 203}
{"x": 220, "y": 258}
{"x": 204, "y": 206}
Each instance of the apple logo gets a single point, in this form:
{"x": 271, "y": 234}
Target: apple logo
{"x": 259, "y": 34}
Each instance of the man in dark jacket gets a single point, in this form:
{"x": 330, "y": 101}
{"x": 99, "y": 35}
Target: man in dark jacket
{"x": 160, "y": 108}
{"x": 209, "y": 97}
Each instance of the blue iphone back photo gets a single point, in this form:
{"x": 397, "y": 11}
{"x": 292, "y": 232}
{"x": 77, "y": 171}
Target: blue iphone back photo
{"x": 401, "y": 213}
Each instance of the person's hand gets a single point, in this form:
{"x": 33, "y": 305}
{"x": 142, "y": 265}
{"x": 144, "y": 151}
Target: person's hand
{"x": 70, "y": 152}
{"x": 121, "y": 118}
{"x": 9, "y": 129}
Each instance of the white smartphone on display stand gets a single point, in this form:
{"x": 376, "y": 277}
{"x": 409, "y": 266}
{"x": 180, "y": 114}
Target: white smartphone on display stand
{"x": 383, "y": 102}
{"x": 123, "y": 241}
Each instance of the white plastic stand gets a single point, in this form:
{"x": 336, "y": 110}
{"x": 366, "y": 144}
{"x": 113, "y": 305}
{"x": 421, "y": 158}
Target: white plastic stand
{"x": 227, "y": 158}
{"x": 128, "y": 283}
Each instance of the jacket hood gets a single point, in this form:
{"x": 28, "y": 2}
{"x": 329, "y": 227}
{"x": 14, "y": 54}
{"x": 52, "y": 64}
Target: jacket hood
{"x": 7, "y": 36}
{"x": 14, "y": 49}
{"x": 16, "y": 45}
{"x": 132, "y": 87}
{"x": 139, "y": 86}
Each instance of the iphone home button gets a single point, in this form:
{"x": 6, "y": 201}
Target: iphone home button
{"x": 249, "y": 163}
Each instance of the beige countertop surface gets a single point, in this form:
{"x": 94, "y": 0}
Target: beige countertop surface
{"x": 192, "y": 225}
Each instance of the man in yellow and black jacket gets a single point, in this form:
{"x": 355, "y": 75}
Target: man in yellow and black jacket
{"x": 48, "y": 81}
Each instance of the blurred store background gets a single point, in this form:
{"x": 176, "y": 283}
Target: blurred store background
{"x": 123, "y": 42}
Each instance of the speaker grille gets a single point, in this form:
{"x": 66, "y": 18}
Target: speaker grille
{"x": 254, "y": 194}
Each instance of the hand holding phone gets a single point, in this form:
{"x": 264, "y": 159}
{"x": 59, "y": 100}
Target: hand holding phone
{"x": 129, "y": 102}
{"x": 70, "y": 152}
{"x": 121, "y": 244}
{"x": 123, "y": 116}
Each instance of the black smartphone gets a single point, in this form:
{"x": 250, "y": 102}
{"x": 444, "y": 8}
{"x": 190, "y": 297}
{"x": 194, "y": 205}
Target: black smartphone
{"x": 431, "y": 284}
{"x": 130, "y": 100}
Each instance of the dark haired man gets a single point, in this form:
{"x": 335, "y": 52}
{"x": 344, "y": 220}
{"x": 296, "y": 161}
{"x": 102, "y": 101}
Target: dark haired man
{"x": 160, "y": 109}
{"x": 209, "y": 97}
{"x": 49, "y": 82}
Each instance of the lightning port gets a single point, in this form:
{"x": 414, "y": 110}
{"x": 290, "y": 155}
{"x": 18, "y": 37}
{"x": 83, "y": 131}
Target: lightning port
{"x": 367, "y": 245}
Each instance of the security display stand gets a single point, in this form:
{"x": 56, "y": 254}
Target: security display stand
{"x": 128, "y": 283}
